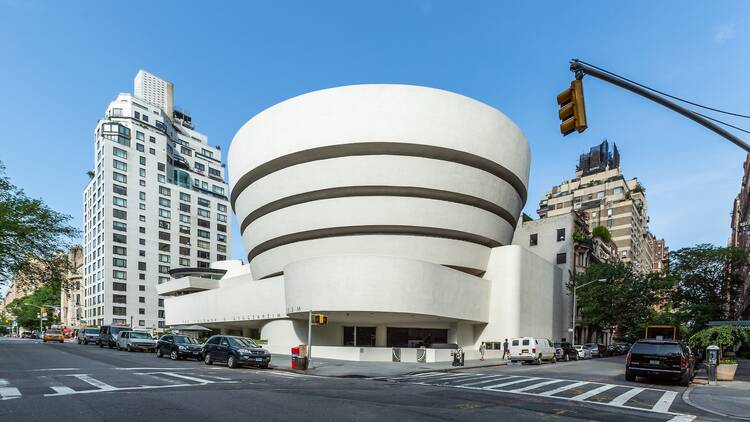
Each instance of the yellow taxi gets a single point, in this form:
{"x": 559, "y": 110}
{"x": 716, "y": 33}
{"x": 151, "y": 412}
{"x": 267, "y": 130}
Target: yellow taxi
{"x": 53, "y": 335}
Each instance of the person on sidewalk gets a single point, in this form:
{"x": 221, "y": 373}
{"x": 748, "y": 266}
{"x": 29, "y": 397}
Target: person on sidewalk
{"x": 482, "y": 349}
{"x": 506, "y": 352}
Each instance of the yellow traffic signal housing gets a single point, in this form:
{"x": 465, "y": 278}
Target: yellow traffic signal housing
{"x": 572, "y": 111}
{"x": 319, "y": 319}
{"x": 42, "y": 309}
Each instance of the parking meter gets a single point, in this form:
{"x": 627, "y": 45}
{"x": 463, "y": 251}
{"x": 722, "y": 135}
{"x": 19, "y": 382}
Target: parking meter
{"x": 712, "y": 360}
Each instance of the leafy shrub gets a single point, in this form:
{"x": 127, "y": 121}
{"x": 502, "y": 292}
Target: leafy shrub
{"x": 602, "y": 233}
{"x": 724, "y": 336}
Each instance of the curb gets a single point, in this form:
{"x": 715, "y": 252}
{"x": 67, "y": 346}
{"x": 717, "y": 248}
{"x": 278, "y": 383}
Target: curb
{"x": 686, "y": 399}
{"x": 421, "y": 371}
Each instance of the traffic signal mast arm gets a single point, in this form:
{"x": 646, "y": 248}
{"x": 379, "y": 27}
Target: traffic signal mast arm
{"x": 582, "y": 69}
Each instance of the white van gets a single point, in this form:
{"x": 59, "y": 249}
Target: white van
{"x": 528, "y": 349}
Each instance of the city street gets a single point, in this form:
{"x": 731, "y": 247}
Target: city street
{"x": 85, "y": 383}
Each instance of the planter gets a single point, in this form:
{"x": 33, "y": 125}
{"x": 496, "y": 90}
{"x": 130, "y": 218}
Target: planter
{"x": 725, "y": 371}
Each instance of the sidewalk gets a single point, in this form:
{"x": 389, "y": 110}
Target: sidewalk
{"x": 355, "y": 369}
{"x": 727, "y": 399}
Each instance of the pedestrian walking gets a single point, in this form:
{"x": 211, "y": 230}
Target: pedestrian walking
{"x": 482, "y": 349}
{"x": 506, "y": 352}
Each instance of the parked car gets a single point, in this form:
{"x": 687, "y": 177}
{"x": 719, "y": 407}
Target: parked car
{"x": 235, "y": 351}
{"x": 86, "y": 335}
{"x": 135, "y": 340}
{"x": 568, "y": 352}
{"x": 613, "y": 350}
{"x": 108, "y": 335}
{"x": 582, "y": 352}
{"x": 597, "y": 350}
{"x": 53, "y": 335}
{"x": 528, "y": 349}
{"x": 179, "y": 347}
{"x": 660, "y": 358}
{"x": 27, "y": 334}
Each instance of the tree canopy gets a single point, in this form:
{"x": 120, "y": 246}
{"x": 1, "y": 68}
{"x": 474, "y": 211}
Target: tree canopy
{"x": 32, "y": 235}
{"x": 602, "y": 233}
{"x": 25, "y": 309}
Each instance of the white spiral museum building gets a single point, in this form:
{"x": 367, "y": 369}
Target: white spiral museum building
{"x": 389, "y": 208}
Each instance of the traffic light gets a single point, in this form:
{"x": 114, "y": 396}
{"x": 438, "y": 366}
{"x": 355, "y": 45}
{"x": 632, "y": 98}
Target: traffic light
{"x": 42, "y": 309}
{"x": 572, "y": 111}
{"x": 319, "y": 319}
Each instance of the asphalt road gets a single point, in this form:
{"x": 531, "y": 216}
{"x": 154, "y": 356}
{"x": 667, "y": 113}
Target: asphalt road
{"x": 61, "y": 382}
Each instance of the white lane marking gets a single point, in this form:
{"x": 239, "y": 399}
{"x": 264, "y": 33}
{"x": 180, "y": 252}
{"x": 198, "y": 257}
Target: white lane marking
{"x": 665, "y": 402}
{"x": 56, "y": 369}
{"x": 489, "y": 379}
{"x": 533, "y": 386}
{"x": 492, "y": 387}
{"x": 682, "y": 418}
{"x": 143, "y": 387}
{"x": 9, "y": 393}
{"x": 63, "y": 390}
{"x": 185, "y": 377}
{"x": 624, "y": 397}
{"x": 218, "y": 378}
{"x": 425, "y": 375}
{"x": 563, "y": 388}
{"x": 161, "y": 368}
{"x": 592, "y": 393}
{"x": 450, "y": 377}
{"x": 95, "y": 382}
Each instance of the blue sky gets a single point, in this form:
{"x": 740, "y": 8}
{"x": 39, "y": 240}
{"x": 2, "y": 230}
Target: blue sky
{"x": 61, "y": 63}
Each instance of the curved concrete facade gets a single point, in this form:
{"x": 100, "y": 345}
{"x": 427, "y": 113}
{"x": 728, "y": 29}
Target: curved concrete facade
{"x": 388, "y": 208}
{"x": 348, "y": 163}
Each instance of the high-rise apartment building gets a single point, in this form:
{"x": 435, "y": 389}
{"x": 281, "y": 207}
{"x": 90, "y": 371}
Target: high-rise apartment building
{"x": 157, "y": 199}
{"x": 608, "y": 199}
{"x": 740, "y": 236}
{"x": 660, "y": 253}
{"x": 71, "y": 294}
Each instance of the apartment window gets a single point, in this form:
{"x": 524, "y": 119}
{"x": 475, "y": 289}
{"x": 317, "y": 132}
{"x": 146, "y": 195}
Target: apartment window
{"x": 609, "y": 224}
{"x": 142, "y": 172}
{"x": 217, "y": 189}
{"x": 137, "y": 114}
{"x": 204, "y": 223}
{"x": 163, "y": 279}
{"x": 165, "y": 191}
{"x": 161, "y": 167}
{"x": 221, "y": 257}
{"x": 141, "y": 276}
{"x": 120, "y": 226}
{"x": 560, "y": 235}
{"x": 117, "y": 213}
{"x": 119, "y": 153}
{"x": 120, "y": 202}
{"x": 204, "y": 234}
{"x": 141, "y": 253}
{"x": 164, "y": 269}
{"x": 152, "y": 139}
{"x": 142, "y": 241}
{"x": 120, "y": 190}
{"x": 184, "y": 229}
{"x": 141, "y": 266}
{"x": 121, "y": 275}
{"x": 617, "y": 190}
{"x": 141, "y": 299}
{"x": 141, "y": 288}
{"x": 142, "y": 160}
{"x": 533, "y": 239}
{"x": 221, "y": 227}
{"x": 562, "y": 258}
{"x": 142, "y": 218}
{"x": 116, "y": 112}
{"x": 120, "y": 287}
{"x": 140, "y": 147}
{"x": 221, "y": 217}
{"x": 119, "y": 310}
{"x": 119, "y": 250}
{"x": 142, "y": 196}
{"x": 163, "y": 224}
{"x": 165, "y": 236}
{"x": 152, "y": 152}
{"x": 119, "y": 165}
{"x": 164, "y": 258}
{"x": 207, "y": 153}
{"x": 184, "y": 251}
{"x": 221, "y": 237}
{"x": 204, "y": 202}
{"x": 184, "y": 218}
{"x": 184, "y": 197}
{"x": 164, "y": 202}
{"x": 184, "y": 262}
{"x": 164, "y": 213}
{"x": 164, "y": 247}
{"x": 203, "y": 244}
{"x": 119, "y": 177}
{"x": 140, "y": 136}
{"x": 161, "y": 315}
{"x": 203, "y": 264}
{"x": 119, "y": 238}
{"x": 161, "y": 303}
{"x": 200, "y": 167}
{"x": 184, "y": 240}
{"x": 145, "y": 118}
{"x": 609, "y": 212}
{"x": 214, "y": 172}
{"x": 142, "y": 182}
{"x": 184, "y": 207}
{"x": 594, "y": 214}
{"x": 204, "y": 255}
{"x": 141, "y": 323}
{"x": 119, "y": 262}
{"x": 221, "y": 248}
{"x": 204, "y": 213}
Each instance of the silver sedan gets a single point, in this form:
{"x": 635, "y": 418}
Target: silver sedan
{"x": 583, "y": 352}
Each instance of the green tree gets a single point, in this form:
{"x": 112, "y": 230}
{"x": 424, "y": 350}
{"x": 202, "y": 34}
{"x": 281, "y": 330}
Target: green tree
{"x": 31, "y": 234}
{"x": 25, "y": 309}
{"x": 602, "y": 233}
{"x": 708, "y": 283}
{"x": 626, "y": 301}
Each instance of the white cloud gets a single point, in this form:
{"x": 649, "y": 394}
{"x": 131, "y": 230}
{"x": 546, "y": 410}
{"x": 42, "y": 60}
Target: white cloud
{"x": 724, "y": 33}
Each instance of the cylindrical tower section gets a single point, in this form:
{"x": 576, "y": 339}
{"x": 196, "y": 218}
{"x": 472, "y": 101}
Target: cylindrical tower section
{"x": 394, "y": 170}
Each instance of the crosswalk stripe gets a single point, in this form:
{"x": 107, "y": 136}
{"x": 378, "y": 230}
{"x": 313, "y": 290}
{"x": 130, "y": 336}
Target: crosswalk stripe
{"x": 450, "y": 377}
{"x": 61, "y": 389}
{"x": 93, "y": 381}
{"x": 665, "y": 402}
{"x": 592, "y": 393}
{"x": 427, "y": 374}
{"x": 196, "y": 379}
{"x": 489, "y": 379}
{"x": 533, "y": 386}
{"x": 8, "y": 393}
{"x": 563, "y": 388}
{"x": 624, "y": 397}
{"x": 492, "y": 387}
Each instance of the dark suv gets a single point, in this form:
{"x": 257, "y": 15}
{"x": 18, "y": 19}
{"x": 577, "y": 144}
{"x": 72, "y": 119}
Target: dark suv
{"x": 660, "y": 358}
{"x": 568, "y": 352}
{"x": 178, "y": 346}
{"x": 235, "y": 351}
{"x": 108, "y": 335}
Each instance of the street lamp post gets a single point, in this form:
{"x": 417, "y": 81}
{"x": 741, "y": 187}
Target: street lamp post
{"x": 575, "y": 305}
